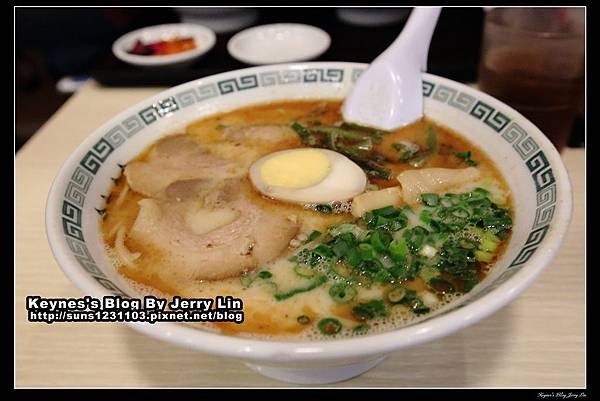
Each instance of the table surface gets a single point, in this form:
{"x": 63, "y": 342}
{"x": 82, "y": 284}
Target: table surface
{"x": 536, "y": 341}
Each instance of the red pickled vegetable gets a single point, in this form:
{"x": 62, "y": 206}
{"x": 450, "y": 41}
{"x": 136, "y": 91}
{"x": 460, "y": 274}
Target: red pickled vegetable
{"x": 163, "y": 47}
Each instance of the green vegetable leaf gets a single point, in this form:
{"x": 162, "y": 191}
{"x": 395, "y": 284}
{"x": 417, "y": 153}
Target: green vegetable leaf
{"x": 405, "y": 149}
{"x": 432, "y": 139}
{"x": 419, "y": 160}
{"x": 466, "y": 157}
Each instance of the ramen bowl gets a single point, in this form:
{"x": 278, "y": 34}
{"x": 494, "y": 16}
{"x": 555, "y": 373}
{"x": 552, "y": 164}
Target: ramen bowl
{"x": 531, "y": 166}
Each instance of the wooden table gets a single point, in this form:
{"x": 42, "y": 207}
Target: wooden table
{"x": 536, "y": 341}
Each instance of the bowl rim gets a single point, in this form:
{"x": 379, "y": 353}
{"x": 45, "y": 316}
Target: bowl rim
{"x": 120, "y": 52}
{"x": 243, "y": 57}
{"x": 334, "y": 349}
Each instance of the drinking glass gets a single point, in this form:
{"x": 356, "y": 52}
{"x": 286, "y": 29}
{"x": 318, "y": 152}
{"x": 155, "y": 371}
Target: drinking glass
{"x": 533, "y": 60}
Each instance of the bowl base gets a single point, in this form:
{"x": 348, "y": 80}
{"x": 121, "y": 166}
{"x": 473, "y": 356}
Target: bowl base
{"x": 321, "y": 375}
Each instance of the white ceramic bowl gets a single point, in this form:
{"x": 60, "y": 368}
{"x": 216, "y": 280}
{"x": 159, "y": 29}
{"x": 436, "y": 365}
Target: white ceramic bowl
{"x": 278, "y": 43}
{"x": 531, "y": 165}
{"x": 204, "y": 37}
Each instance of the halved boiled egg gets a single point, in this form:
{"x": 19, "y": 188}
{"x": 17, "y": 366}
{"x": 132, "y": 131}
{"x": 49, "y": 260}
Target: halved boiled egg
{"x": 308, "y": 176}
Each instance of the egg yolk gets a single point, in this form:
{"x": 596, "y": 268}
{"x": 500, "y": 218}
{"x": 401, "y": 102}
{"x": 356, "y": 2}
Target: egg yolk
{"x": 296, "y": 169}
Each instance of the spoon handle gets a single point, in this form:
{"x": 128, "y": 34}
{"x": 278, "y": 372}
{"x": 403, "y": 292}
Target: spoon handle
{"x": 415, "y": 37}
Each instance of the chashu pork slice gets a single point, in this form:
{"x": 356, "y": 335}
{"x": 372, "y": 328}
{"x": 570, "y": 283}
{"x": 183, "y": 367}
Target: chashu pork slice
{"x": 259, "y": 134}
{"x": 218, "y": 237}
{"x": 175, "y": 158}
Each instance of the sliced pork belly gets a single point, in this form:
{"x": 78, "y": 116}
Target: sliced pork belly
{"x": 175, "y": 158}
{"x": 211, "y": 237}
{"x": 257, "y": 134}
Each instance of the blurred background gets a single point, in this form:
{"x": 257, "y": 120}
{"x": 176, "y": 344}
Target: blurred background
{"x": 58, "y": 50}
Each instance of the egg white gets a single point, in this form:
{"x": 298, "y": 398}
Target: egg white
{"x": 344, "y": 181}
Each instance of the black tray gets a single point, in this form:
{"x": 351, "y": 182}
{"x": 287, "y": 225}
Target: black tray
{"x": 454, "y": 51}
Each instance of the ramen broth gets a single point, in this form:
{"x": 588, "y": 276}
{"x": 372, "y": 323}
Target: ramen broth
{"x": 353, "y": 307}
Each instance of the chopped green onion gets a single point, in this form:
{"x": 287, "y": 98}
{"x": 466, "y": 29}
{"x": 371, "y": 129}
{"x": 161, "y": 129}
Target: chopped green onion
{"x": 383, "y": 276}
{"x": 326, "y": 209}
{"x": 340, "y": 247}
{"x": 425, "y": 216}
{"x": 380, "y": 241}
{"x": 415, "y": 237}
{"x": 489, "y": 242}
{"x": 387, "y": 211}
{"x": 324, "y": 251}
{"x": 369, "y": 310}
{"x": 268, "y": 285}
{"x": 481, "y": 191}
{"x": 246, "y": 280}
{"x": 343, "y": 228}
{"x": 398, "y": 250}
{"x": 459, "y": 212}
{"x": 318, "y": 282}
{"x": 503, "y": 234}
{"x": 417, "y": 306}
{"x": 360, "y": 329}
{"x": 370, "y": 266}
{"x": 396, "y": 295}
{"x": 313, "y": 236}
{"x": 427, "y": 273}
{"x": 303, "y": 272}
{"x": 441, "y": 285}
{"x": 353, "y": 258}
{"x": 458, "y": 232}
{"x": 469, "y": 284}
{"x": 414, "y": 303}
{"x": 329, "y": 326}
{"x": 366, "y": 252}
{"x": 265, "y": 274}
{"x": 342, "y": 293}
{"x": 483, "y": 256}
{"x": 430, "y": 199}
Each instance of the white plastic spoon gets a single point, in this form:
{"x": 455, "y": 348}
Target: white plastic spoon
{"x": 389, "y": 93}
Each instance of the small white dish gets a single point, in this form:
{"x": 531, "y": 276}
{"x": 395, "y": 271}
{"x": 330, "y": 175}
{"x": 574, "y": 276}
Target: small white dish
{"x": 204, "y": 37}
{"x": 278, "y": 43}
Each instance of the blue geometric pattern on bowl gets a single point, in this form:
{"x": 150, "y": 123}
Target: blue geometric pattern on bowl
{"x": 523, "y": 144}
